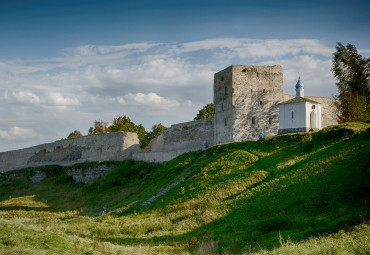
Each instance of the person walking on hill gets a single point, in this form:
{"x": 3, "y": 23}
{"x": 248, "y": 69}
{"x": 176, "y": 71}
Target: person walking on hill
{"x": 261, "y": 135}
{"x": 104, "y": 210}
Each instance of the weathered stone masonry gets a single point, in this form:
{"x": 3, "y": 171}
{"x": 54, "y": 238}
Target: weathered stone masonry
{"x": 99, "y": 147}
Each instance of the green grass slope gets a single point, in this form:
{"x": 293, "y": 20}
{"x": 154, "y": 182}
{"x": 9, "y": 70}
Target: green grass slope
{"x": 287, "y": 195}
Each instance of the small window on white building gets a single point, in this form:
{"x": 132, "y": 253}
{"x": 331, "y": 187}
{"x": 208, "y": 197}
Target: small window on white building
{"x": 313, "y": 107}
{"x": 292, "y": 115}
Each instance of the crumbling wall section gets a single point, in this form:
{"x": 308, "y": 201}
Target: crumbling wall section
{"x": 190, "y": 136}
{"x": 99, "y": 147}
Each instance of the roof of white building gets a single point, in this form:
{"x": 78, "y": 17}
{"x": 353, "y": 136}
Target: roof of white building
{"x": 299, "y": 100}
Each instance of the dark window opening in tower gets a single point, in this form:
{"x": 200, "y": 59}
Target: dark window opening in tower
{"x": 225, "y": 122}
{"x": 292, "y": 114}
{"x": 253, "y": 120}
{"x": 270, "y": 121}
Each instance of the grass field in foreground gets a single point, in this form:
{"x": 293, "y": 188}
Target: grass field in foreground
{"x": 277, "y": 197}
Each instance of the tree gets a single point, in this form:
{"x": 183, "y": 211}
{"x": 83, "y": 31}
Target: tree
{"x": 206, "y": 112}
{"x": 100, "y": 126}
{"x": 74, "y": 134}
{"x": 353, "y": 74}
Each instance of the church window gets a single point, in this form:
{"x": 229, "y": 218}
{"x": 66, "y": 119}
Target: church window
{"x": 253, "y": 120}
{"x": 313, "y": 107}
{"x": 251, "y": 90}
{"x": 261, "y": 102}
{"x": 225, "y": 122}
{"x": 264, "y": 90}
{"x": 222, "y": 78}
{"x": 292, "y": 114}
{"x": 257, "y": 74}
{"x": 270, "y": 120}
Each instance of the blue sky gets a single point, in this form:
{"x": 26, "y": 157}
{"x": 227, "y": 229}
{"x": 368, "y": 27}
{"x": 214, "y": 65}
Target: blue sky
{"x": 64, "y": 64}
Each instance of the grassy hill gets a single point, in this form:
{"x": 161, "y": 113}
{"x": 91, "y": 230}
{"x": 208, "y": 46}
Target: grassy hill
{"x": 301, "y": 193}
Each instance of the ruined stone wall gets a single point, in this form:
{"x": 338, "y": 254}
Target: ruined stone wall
{"x": 328, "y": 117}
{"x": 99, "y": 147}
{"x": 188, "y": 136}
{"x": 178, "y": 139}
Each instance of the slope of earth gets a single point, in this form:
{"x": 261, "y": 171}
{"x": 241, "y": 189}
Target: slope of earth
{"x": 275, "y": 197}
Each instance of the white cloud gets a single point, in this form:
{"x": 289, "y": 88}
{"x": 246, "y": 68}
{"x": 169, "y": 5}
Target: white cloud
{"x": 17, "y": 133}
{"x": 27, "y": 97}
{"x": 151, "y": 100}
{"x": 54, "y": 98}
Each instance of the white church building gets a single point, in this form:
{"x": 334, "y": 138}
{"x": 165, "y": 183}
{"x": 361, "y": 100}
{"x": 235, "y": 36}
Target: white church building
{"x": 299, "y": 114}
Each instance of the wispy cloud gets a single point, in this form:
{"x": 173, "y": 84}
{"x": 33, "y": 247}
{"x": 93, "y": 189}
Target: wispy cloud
{"x": 17, "y": 133}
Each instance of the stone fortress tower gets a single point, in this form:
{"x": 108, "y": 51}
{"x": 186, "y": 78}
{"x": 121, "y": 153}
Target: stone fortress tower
{"x": 246, "y": 100}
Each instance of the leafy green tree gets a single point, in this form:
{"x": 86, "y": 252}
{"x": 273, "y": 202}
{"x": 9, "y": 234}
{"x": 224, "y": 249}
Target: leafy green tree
{"x": 100, "y": 126}
{"x": 353, "y": 74}
{"x": 126, "y": 125}
{"x": 74, "y": 134}
{"x": 207, "y": 111}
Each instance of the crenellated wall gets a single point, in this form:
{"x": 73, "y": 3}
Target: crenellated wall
{"x": 99, "y": 147}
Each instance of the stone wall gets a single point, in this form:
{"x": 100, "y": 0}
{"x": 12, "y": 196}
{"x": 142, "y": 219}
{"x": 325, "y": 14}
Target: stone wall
{"x": 178, "y": 139}
{"x": 158, "y": 156}
{"x": 222, "y": 99}
{"x": 188, "y": 136}
{"x": 328, "y": 117}
{"x": 99, "y": 147}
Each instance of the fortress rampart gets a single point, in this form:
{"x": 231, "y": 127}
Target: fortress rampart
{"x": 246, "y": 100}
{"x": 99, "y": 147}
